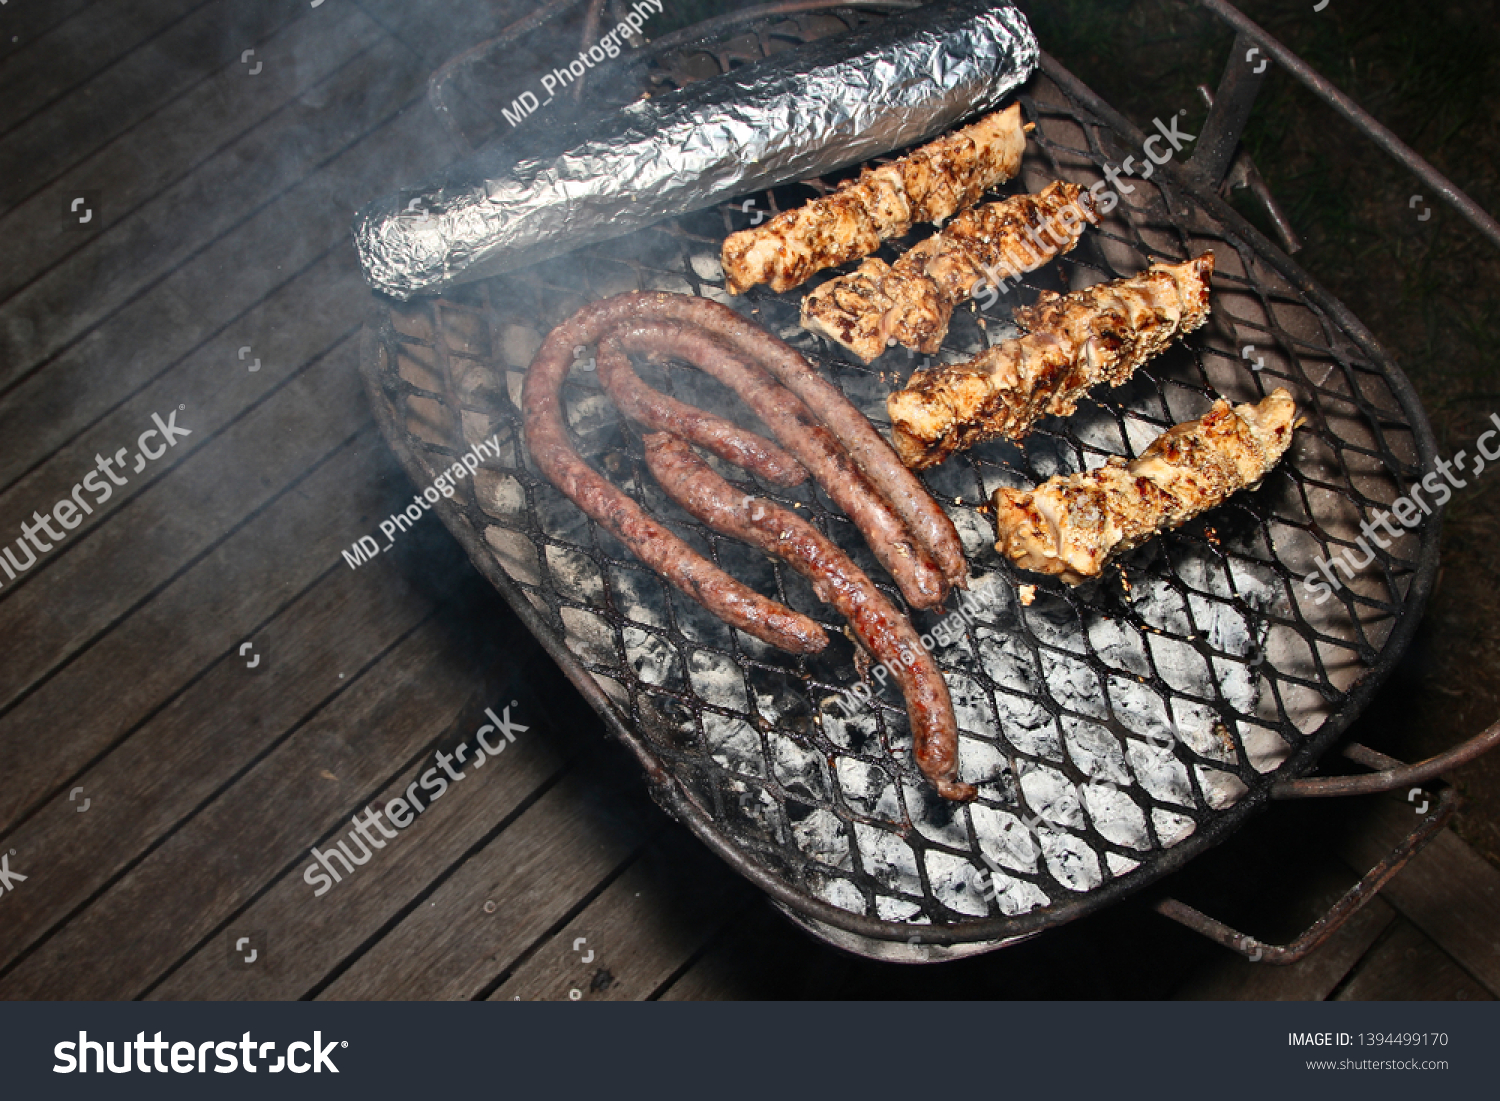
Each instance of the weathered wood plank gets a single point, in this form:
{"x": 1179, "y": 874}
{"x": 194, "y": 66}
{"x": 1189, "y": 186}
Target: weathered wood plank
{"x": 437, "y": 34}
{"x": 309, "y": 316}
{"x": 1448, "y": 890}
{"x": 742, "y": 965}
{"x": 183, "y": 136}
{"x": 1407, "y": 966}
{"x": 504, "y": 897}
{"x": 312, "y": 935}
{"x": 209, "y": 295}
{"x": 220, "y": 197}
{"x": 258, "y": 828}
{"x": 644, "y": 927}
{"x": 179, "y": 757}
{"x": 34, "y": 24}
{"x": 89, "y": 114}
{"x": 186, "y": 513}
{"x": 74, "y": 49}
{"x": 207, "y": 611}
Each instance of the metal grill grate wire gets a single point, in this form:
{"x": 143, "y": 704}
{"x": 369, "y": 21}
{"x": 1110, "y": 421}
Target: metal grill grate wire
{"x": 1082, "y": 687}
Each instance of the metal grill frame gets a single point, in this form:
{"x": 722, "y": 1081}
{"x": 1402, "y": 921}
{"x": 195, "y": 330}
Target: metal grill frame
{"x": 387, "y": 392}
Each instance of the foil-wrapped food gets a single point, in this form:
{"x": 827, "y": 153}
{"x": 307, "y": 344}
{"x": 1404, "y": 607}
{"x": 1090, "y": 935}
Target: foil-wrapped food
{"x": 802, "y": 113}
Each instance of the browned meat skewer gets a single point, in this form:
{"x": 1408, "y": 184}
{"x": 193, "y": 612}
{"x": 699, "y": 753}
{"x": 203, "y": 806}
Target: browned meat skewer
{"x": 928, "y": 185}
{"x": 1070, "y": 526}
{"x": 1073, "y": 342}
{"x": 883, "y": 630}
{"x": 911, "y": 301}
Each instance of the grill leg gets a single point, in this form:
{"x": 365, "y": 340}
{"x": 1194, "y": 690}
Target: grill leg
{"x": 1232, "y": 105}
{"x": 1220, "y": 158}
{"x": 1345, "y": 908}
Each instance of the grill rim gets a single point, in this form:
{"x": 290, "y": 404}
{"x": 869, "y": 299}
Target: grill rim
{"x": 673, "y": 796}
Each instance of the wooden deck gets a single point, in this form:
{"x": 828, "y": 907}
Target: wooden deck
{"x": 160, "y": 789}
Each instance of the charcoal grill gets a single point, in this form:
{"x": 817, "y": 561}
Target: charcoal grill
{"x": 1116, "y": 730}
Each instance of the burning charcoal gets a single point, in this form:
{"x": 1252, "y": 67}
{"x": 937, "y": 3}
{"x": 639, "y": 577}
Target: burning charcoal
{"x": 1070, "y": 860}
{"x": 823, "y": 837}
{"x": 888, "y": 859}
{"x": 838, "y": 892}
{"x": 1116, "y": 817}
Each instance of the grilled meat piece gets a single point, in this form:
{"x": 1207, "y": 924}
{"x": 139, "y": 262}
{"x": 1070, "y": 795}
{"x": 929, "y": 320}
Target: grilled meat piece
{"x": 1073, "y": 341}
{"x": 814, "y": 423}
{"x": 804, "y": 434}
{"x": 923, "y": 517}
{"x": 883, "y": 630}
{"x": 638, "y": 401}
{"x": 1070, "y": 526}
{"x": 651, "y": 542}
{"x": 911, "y": 301}
{"x": 928, "y": 185}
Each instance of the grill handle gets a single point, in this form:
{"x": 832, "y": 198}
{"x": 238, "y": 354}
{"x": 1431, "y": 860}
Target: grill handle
{"x": 1354, "y": 900}
{"x": 1228, "y": 111}
{"x": 1391, "y": 774}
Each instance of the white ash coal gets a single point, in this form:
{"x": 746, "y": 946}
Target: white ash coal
{"x": 1094, "y": 739}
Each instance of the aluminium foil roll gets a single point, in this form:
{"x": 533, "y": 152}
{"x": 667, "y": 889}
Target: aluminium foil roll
{"x": 802, "y": 113}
